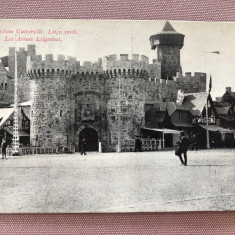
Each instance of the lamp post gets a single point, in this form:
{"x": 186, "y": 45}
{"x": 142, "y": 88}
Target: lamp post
{"x": 15, "y": 144}
{"x": 119, "y": 147}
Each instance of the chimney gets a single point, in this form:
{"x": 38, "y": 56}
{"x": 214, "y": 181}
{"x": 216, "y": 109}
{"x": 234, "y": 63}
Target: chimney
{"x": 228, "y": 89}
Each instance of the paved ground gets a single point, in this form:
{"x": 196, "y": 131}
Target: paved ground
{"x": 109, "y": 182}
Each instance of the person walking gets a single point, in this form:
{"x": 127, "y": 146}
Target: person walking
{"x": 4, "y": 149}
{"x": 183, "y": 145}
{"x": 83, "y": 146}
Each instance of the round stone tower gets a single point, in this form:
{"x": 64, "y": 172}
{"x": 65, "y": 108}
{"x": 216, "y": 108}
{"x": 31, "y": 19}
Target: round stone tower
{"x": 168, "y": 44}
{"x": 51, "y": 100}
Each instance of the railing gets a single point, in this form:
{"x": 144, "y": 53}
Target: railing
{"x": 29, "y": 150}
{"x": 37, "y": 150}
{"x": 147, "y": 145}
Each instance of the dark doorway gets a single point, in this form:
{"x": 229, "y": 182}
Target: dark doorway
{"x": 91, "y": 137}
{"x": 168, "y": 140}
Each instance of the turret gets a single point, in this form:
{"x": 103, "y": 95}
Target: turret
{"x": 168, "y": 44}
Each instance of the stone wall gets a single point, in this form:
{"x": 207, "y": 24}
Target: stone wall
{"x": 6, "y": 87}
{"x": 169, "y": 56}
{"x": 50, "y": 110}
{"x": 189, "y": 84}
{"x": 23, "y": 80}
{"x": 108, "y": 96}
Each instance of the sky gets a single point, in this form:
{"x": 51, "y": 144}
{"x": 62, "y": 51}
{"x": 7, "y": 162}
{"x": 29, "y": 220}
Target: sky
{"x": 97, "y": 38}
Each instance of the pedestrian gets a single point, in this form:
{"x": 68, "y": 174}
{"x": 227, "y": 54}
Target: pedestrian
{"x": 138, "y": 144}
{"x": 4, "y": 149}
{"x": 83, "y": 146}
{"x": 183, "y": 145}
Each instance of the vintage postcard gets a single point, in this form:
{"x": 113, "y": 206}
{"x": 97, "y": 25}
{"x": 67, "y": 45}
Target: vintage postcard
{"x": 116, "y": 116}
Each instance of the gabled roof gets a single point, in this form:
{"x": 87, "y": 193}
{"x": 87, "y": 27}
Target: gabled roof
{"x": 156, "y": 112}
{"x": 195, "y": 102}
{"x": 222, "y": 110}
{"x": 221, "y": 104}
{"x": 5, "y": 113}
{"x": 4, "y": 60}
{"x": 172, "y": 107}
{"x": 3, "y": 69}
{"x": 232, "y": 93}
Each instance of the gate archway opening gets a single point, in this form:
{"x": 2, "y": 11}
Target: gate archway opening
{"x": 91, "y": 137}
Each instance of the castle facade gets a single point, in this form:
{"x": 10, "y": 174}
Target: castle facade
{"x": 105, "y": 101}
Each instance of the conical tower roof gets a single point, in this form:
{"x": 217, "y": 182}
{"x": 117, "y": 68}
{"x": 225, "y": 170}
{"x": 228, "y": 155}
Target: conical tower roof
{"x": 168, "y": 36}
{"x": 168, "y": 27}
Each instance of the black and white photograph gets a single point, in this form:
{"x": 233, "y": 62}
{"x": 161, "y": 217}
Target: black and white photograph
{"x": 116, "y": 116}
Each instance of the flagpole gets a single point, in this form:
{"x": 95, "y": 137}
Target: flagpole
{"x": 15, "y": 151}
{"x": 207, "y": 131}
{"x": 210, "y": 82}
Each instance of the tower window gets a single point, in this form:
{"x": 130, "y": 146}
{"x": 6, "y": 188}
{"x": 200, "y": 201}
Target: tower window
{"x": 61, "y": 113}
{"x": 5, "y": 86}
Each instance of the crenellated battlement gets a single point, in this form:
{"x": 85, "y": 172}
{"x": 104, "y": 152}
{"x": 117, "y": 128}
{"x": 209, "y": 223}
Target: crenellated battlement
{"x": 36, "y": 66}
{"x": 122, "y": 61}
{"x": 189, "y": 77}
{"x": 191, "y": 82}
{"x": 137, "y": 73}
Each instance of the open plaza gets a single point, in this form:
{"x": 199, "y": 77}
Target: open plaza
{"x": 118, "y": 182}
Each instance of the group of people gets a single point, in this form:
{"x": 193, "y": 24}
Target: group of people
{"x": 182, "y": 148}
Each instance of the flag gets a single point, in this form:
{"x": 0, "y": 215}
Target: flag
{"x": 215, "y": 52}
{"x": 210, "y": 84}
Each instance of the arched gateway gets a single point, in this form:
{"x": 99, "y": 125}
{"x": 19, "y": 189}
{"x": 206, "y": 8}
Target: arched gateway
{"x": 91, "y": 137}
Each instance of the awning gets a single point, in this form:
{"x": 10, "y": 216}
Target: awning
{"x": 21, "y": 133}
{"x": 163, "y": 130}
{"x": 183, "y": 125}
{"x": 5, "y": 114}
{"x": 216, "y": 128}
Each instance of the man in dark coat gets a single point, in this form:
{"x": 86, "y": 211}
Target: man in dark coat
{"x": 183, "y": 148}
{"x": 83, "y": 146}
{"x": 4, "y": 149}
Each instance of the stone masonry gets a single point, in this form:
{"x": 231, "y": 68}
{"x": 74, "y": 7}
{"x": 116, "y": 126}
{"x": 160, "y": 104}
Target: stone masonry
{"x": 109, "y": 96}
